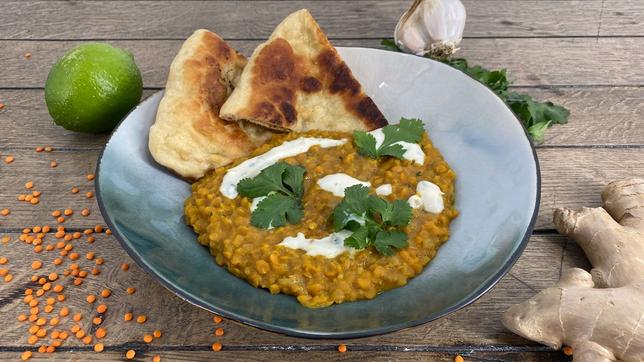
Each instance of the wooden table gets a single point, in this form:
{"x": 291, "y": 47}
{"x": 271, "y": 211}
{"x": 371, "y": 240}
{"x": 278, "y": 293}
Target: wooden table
{"x": 585, "y": 55}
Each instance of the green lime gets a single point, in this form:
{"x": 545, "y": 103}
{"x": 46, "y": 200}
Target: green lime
{"x": 92, "y": 87}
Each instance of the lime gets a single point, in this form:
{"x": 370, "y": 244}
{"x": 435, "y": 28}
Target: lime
{"x": 92, "y": 87}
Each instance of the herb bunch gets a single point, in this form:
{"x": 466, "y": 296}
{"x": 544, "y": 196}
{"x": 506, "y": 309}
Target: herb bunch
{"x": 536, "y": 116}
{"x": 282, "y": 186}
{"x": 374, "y": 221}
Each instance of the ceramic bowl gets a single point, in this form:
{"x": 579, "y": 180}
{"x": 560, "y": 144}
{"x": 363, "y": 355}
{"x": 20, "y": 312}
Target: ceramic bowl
{"x": 497, "y": 194}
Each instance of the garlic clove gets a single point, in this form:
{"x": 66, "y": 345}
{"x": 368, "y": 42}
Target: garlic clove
{"x": 433, "y": 27}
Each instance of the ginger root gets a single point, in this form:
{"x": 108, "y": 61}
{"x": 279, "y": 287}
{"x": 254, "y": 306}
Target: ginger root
{"x": 599, "y": 314}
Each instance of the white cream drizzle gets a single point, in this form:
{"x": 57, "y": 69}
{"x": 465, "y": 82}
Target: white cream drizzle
{"x": 336, "y": 183}
{"x": 413, "y": 151}
{"x": 253, "y": 166}
{"x": 384, "y": 190}
{"x": 329, "y": 246}
{"x": 428, "y": 196}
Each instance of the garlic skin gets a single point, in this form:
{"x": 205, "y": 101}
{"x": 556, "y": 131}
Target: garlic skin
{"x": 433, "y": 27}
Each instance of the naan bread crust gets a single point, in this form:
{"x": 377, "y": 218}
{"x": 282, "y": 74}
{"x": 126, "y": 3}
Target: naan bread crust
{"x": 297, "y": 81}
{"x": 188, "y": 136}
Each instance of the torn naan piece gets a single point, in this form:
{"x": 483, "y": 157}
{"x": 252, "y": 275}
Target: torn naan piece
{"x": 188, "y": 136}
{"x": 296, "y": 81}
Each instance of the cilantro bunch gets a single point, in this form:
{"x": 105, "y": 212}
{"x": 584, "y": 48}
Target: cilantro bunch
{"x": 536, "y": 116}
{"x": 374, "y": 221}
{"x": 282, "y": 186}
{"x": 408, "y": 130}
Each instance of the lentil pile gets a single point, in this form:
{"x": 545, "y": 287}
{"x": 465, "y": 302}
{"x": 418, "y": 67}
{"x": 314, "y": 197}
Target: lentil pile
{"x": 51, "y": 313}
{"x": 253, "y": 254}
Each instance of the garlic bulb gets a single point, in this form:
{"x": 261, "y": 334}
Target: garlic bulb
{"x": 433, "y": 27}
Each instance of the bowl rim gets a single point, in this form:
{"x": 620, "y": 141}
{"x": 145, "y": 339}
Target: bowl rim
{"x": 184, "y": 295}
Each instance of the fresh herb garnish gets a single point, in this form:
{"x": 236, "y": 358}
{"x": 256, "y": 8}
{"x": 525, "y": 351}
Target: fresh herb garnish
{"x": 536, "y": 116}
{"x": 374, "y": 221}
{"x": 282, "y": 186}
{"x": 408, "y": 130}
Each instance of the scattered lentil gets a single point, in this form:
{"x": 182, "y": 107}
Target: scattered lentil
{"x": 130, "y": 354}
{"x": 100, "y": 332}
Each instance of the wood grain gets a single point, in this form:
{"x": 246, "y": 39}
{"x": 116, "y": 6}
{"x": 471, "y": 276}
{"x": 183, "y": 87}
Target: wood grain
{"x": 256, "y": 19}
{"x": 599, "y": 117}
{"x": 571, "y": 177}
{"x": 185, "y": 325}
{"x": 234, "y": 356}
{"x": 565, "y": 61}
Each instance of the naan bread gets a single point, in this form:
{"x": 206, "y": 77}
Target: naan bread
{"x": 297, "y": 81}
{"x": 188, "y": 136}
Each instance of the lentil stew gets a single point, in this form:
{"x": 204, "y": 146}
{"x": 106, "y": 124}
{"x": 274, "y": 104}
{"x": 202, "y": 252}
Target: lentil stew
{"x": 223, "y": 225}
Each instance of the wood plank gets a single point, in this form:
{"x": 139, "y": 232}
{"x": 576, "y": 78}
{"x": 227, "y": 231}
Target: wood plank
{"x": 572, "y": 61}
{"x": 256, "y": 19}
{"x": 186, "y": 325}
{"x": 599, "y": 116}
{"x": 571, "y": 177}
{"x": 235, "y": 356}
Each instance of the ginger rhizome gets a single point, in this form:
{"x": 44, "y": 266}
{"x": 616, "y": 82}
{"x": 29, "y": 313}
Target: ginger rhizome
{"x": 599, "y": 314}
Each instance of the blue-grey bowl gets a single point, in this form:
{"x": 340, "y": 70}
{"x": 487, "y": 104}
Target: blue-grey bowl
{"x": 497, "y": 194}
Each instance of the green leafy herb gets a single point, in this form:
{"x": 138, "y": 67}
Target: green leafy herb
{"x": 536, "y": 116}
{"x": 408, "y": 130}
{"x": 281, "y": 185}
{"x": 374, "y": 221}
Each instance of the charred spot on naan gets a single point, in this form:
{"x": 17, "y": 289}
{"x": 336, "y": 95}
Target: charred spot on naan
{"x": 276, "y": 74}
{"x": 340, "y": 81}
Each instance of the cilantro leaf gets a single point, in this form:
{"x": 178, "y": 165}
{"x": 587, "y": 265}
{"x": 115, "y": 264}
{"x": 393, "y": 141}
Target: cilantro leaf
{"x": 282, "y": 185}
{"x": 537, "y": 130}
{"x": 294, "y": 179}
{"x": 400, "y": 213}
{"x": 379, "y": 220}
{"x": 366, "y": 144}
{"x": 390, "y": 44}
{"x": 268, "y": 180}
{"x": 358, "y": 240}
{"x": 385, "y": 240}
{"x": 352, "y": 208}
{"x": 536, "y": 116}
{"x": 275, "y": 210}
{"x": 408, "y": 130}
